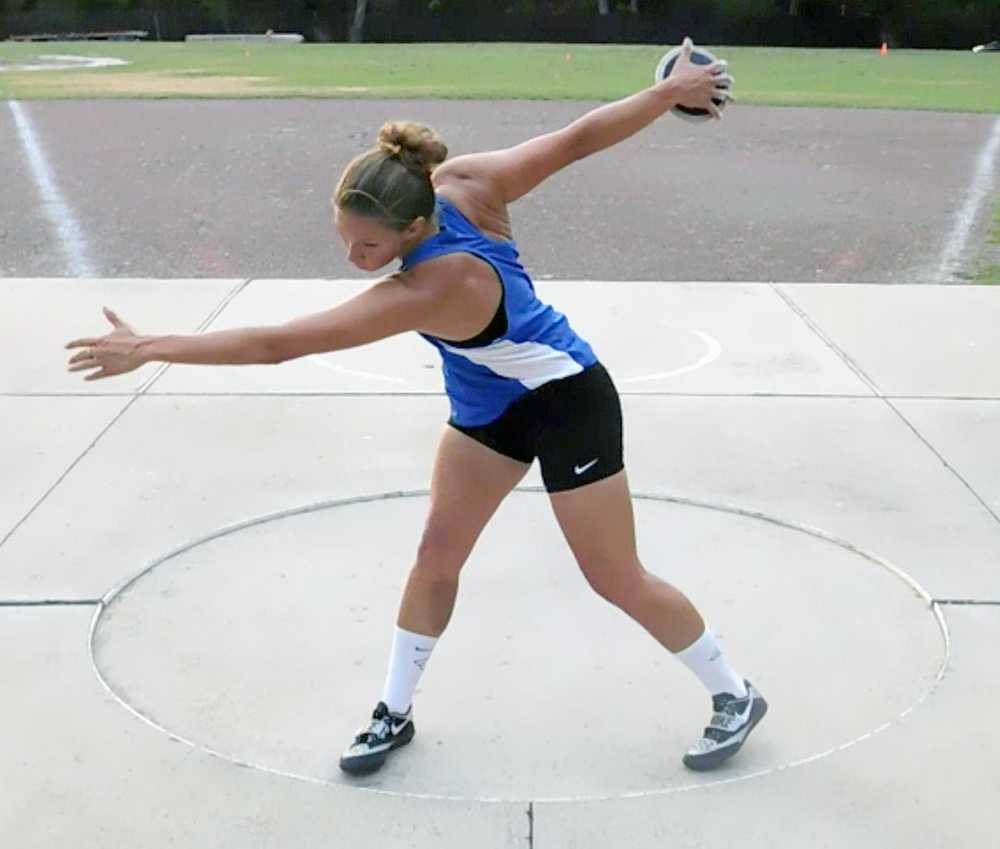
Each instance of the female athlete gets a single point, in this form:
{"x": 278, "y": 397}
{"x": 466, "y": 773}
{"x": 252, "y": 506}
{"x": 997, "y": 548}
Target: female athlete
{"x": 521, "y": 384}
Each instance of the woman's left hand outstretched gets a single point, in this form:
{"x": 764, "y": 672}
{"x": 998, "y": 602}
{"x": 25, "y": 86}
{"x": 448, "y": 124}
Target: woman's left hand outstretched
{"x": 117, "y": 353}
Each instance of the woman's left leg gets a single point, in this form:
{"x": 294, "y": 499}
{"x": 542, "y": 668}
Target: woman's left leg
{"x": 598, "y": 524}
{"x": 599, "y": 527}
{"x": 582, "y": 434}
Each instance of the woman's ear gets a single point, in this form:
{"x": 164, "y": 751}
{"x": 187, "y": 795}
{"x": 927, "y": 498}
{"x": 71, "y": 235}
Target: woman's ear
{"x": 414, "y": 227}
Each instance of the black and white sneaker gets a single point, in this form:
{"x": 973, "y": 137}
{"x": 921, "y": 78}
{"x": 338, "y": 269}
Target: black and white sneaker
{"x": 371, "y": 746}
{"x": 732, "y": 721}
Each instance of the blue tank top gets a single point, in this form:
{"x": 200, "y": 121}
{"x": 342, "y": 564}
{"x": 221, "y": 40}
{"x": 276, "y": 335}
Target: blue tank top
{"x": 538, "y": 346}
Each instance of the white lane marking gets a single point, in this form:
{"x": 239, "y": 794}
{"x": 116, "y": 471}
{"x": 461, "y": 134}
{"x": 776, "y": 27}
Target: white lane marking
{"x": 70, "y": 236}
{"x": 982, "y": 184}
{"x": 714, "y": 350}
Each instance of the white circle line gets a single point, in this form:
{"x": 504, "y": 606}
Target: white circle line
{"x": 319, "y": 361}
{"x": 66, "y": 62}
{"x": 119, "y": 588}
{"x": 714, "y": 350}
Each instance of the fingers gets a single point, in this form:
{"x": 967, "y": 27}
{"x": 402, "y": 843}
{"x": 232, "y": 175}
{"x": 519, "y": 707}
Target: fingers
{"x": 90, "y": 364}
{"x": 112, "y": 316}
{"x": 723, "y": 85}
{"x": 721, "y": 97}
{"x": 724, "y": 82}
{"x": 81, "y": 356}
{"x": 685, "y": 55}
{"x": 83, "y": 361}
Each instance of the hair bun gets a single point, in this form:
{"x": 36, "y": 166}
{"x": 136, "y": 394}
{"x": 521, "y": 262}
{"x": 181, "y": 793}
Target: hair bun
{"x": 418, "y": 147}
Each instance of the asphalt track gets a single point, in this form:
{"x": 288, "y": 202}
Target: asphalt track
{"x": 172, "y": 189}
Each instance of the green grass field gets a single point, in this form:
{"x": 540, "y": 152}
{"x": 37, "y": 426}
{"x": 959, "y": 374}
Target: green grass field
{"x": 905, "y": 79}
{"x": 990, "y": 272}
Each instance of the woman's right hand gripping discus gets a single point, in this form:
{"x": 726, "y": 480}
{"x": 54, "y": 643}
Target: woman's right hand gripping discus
{"x": 701, "y": 84}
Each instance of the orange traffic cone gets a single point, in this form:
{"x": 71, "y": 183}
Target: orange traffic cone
{"x": 884, "y": 49}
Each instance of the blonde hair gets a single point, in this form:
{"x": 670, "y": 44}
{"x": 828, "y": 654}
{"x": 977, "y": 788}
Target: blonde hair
{"x": 392, "y": 182}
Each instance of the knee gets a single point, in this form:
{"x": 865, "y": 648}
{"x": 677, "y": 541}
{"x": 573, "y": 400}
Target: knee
{"x": 614, "y": 581}
{"x": 441, "y": 553}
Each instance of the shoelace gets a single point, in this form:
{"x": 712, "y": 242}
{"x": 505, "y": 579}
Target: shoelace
{"x": 722, "y": 722}
{"x": 378, "y": 728}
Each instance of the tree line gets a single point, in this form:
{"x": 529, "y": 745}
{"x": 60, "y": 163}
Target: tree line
{"x": 814, "y": 22}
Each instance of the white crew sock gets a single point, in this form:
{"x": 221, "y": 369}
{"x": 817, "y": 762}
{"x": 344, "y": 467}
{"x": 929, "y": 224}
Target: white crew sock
{"x": 410, "y": 653}
{"x": 704, "y": 658}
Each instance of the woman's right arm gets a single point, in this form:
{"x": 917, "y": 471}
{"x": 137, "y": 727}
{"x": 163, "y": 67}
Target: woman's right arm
{"x": 515, "y": 171}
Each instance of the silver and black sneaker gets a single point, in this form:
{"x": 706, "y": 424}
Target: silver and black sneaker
{"x": 371, "y": 746}
{"x": 732, "y": 721}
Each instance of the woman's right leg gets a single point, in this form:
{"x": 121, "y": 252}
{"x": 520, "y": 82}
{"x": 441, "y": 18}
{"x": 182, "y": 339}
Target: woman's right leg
{"x": 468, "y": 484}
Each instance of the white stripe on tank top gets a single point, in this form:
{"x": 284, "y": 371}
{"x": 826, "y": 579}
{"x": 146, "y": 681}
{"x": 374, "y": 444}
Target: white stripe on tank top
{"x": 531, "y": 363}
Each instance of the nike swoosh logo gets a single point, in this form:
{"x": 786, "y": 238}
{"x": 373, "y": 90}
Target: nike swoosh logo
{"x": 581, "y": 469}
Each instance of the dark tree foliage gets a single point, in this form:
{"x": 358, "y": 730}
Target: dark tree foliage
{"x": 920, "y": 23}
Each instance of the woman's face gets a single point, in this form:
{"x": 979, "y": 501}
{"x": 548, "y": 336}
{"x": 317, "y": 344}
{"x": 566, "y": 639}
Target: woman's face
{"x": 370, "y": 245}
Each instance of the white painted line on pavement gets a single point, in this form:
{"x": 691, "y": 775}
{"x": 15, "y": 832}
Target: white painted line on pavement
{"x": 119, "y": 589}
{"x": 64, "y": 62}
{"x": 982, "y": 183}
{"x": 319, "y": 360}
{"x": 69, "y": 234}
{"x": 711, "y": 355}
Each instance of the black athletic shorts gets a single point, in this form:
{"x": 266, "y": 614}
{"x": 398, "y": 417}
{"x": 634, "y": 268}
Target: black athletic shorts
{"x": 573, "y": 425}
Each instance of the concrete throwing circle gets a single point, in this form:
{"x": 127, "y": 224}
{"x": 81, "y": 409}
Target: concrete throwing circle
{"x": 265, "y": 644}
{"x": 63, "y": 62}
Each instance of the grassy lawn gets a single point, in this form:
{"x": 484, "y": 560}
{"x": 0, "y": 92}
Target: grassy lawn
{"x": 990, "y": 273}
{"x": 905, "y": 79}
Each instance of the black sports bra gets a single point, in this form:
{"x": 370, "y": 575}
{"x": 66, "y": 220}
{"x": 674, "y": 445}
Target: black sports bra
{"x": 493, "y": 331}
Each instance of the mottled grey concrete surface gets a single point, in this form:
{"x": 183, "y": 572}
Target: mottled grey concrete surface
{"x": 812, "y": 514}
